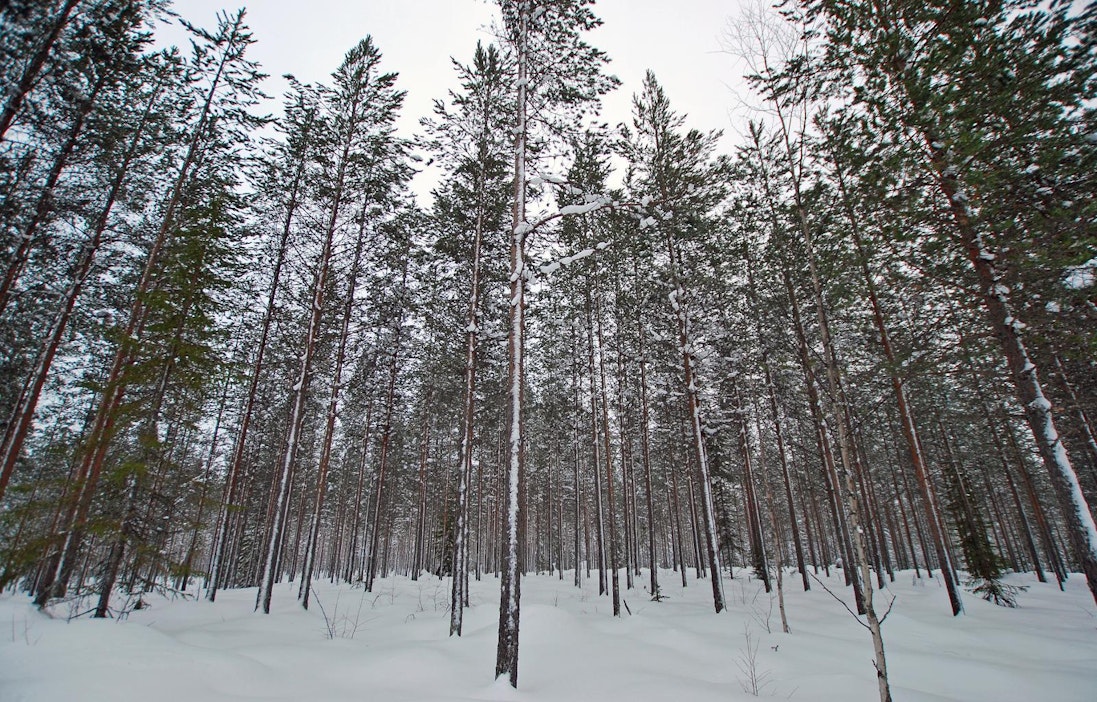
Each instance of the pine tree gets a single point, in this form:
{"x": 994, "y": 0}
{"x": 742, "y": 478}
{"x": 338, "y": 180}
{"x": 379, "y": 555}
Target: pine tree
{"x": 558, "y": 77}
{"x": 45, "y": 39}
{"x": 671, "y": 170}
{"x": 468, "y": 140}
{"x": 111, "y": 54}
{"x": 221, "y": 59}
{"x": 290, "y": 161}
{"x": 359, "y": 112}
{"x": 983, "y": 564}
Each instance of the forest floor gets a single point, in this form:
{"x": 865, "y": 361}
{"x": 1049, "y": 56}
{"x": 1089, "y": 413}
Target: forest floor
{"x": 392, "y": 645}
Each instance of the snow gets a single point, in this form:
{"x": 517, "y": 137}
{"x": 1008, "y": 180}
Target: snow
{"x": 593, "y": 204}
{"x": 1041, "y": 403}
{"x": 568, "y": 260}
{"x": 1081, "y": 277}
{"x": 393, "y": 644}
{"x": 548, "y": 178}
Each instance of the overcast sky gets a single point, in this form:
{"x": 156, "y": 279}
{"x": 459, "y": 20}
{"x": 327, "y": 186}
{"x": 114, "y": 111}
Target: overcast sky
{"x": 680, "y": 41}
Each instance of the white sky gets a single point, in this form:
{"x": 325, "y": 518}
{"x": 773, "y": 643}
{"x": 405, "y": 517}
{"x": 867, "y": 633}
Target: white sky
{"x": 679, "y": 40}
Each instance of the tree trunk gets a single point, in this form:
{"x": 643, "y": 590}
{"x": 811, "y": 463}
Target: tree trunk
{"x": 645, "y": 452}
{"x": 611, "y": 504}
{"x": 44, "y": 206}
{"x": 910, "y": 429}
{"x": 846, "y": 449}
{"x": 386, "y": 443}
{"x": 506, "y": 661}
{"x": 693, "y": 408}
{"x": 459, "y": 594}
{"x": 753, "y": 507}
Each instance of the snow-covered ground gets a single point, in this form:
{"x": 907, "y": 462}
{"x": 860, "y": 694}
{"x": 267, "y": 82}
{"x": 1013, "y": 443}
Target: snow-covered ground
{"x": 392, "y": 645}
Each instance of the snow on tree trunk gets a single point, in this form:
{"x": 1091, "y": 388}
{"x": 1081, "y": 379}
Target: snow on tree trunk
{"x": 645, "y": 450}
{"x": 296, "y": 421}
{"x": 459, "y": 593}
{"x": 693, "y": 407}
{"x": 841, "y": 418}
{"x": 236, "y": 464}
{"x": 506, "y": 662}
{"x": 608, "y": 459}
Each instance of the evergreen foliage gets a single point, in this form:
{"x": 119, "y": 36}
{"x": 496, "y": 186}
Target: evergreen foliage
{"x": 229, "y": 361}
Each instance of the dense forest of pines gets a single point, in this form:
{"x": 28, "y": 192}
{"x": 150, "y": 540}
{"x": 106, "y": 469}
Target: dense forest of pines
{"x": 236, "y": 351}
